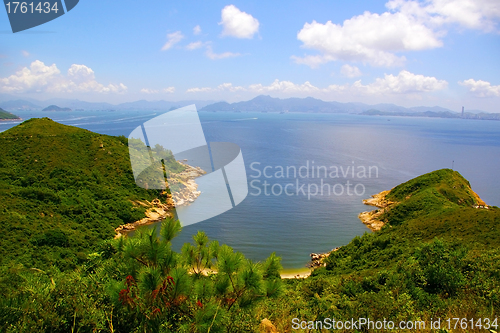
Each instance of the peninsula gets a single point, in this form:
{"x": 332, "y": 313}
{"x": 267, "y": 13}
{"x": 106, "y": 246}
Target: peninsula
{"x": 406, "y": 200}
{"x": 5, "y": 115}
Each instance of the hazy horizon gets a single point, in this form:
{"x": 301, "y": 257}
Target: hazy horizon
{"x": 428, "y": 53}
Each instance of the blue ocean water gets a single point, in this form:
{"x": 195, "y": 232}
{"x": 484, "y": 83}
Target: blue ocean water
{"x": 293, "y": 224}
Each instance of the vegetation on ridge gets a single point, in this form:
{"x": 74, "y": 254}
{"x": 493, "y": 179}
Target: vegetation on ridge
{"x": 438, "y": 256}
{"x": 63, "y": 190}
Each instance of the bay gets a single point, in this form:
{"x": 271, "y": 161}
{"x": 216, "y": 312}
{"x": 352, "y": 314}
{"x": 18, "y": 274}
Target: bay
{"x": 293, "y": 226}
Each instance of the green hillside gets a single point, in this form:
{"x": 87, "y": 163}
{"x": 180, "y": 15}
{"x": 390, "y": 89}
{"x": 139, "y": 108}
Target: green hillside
{"x": 4, "y": 115}
{"x": 438, "y": 256}
{"x": 63, "y": 190}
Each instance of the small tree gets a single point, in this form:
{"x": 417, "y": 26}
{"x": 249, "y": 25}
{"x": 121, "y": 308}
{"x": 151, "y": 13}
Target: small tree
{"x": 160, "y": 290}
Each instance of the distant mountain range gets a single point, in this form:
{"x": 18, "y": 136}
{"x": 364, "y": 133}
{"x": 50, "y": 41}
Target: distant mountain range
{"x": 8, "y": 102}
{"x": 260, "y": 103}
{"x": 269, "y": 104}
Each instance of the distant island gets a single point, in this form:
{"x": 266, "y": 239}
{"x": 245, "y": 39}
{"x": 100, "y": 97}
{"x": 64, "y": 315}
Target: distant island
{"x": 5, "y": 115}
{"x": 55, "y": 108}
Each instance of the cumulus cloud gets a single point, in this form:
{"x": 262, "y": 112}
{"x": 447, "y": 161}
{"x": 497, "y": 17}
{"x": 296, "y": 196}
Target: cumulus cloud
{"x": 221, "y": 87}
{"x": 197, "y": 30}
{"x": 471, "y": 14}
{"x": 409, "y": 25}
{"x": 41, "y": 78}
{"x": 371, "y": 38}
{"x": 197, "y": 90}
{"x": 172, "y": 39}
{"x": 481, "y": 88}
{"x": 211, "y": 55}
{"x": 37, "y": 78}
{"x": 156, "y": 91}
{"x": 194, "y": 45}
{"x": 350, "y": 71}
{"x": 404, "y": 83}
{"x": 149, "y": 91}
{"x": 238, "y": 24}
{"x": 284, "y": 86}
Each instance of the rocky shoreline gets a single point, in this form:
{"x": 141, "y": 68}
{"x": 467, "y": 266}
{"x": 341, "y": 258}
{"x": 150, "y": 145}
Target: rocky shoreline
{"x": 318, "y": 258}
{"x": 371, "y": 218}
{"x": 156, "y": 210}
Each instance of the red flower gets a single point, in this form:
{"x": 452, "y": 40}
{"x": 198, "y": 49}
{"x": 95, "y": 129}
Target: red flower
{"x": 130, "y": 280}
{"x": 199, "y": 304}
{"x": 156, "y": 311}
{"x": 124, "y": 297}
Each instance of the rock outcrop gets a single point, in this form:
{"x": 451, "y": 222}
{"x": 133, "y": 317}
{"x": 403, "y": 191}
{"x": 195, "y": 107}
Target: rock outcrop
{"x": 317, "y": 258}
{"x": 371, "y": 219}
{"x": 188, "y": 191}
{"x": 156, "y": 210}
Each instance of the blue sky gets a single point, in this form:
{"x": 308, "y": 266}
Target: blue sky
{"x": 433, "y": 52}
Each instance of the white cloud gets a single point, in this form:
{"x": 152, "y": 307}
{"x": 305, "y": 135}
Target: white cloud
{"x": 481, "y": 88}
{"x": 149, "y": 91}
{"x": 196, "y": 90}
{"x": 156, "y": 91}
{"x": 41, "y": 78}
{"x": 284, "y": 87}
{"x": 371, "y": 38}
{"x": 471, "y": 14}
{"x": 194, "y": 45}
{"x": 25, "y": 53}
{"x": 197, "y": 30}
{"x": 37, "y": 78}
{"x": 237, "y": 23}
{"x": 82, "y": 78}
{"x": 230, "y": 87}
{"x": 409, "y": 25}
{"x": 350, "y": 71}
{"x": 211, "y": 55}
{"x": 172, "y": 39}
{"x": 221, "y": 87}
{"x": 404, "y": 83}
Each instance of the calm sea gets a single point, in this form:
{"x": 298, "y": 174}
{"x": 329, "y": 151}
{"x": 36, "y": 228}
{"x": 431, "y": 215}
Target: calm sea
{"x": 301, "y": 220}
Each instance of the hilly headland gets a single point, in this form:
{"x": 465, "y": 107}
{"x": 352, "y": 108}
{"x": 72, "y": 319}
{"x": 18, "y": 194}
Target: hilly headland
{"x": 65, "y": 189}
{"x": 5, "y": 115}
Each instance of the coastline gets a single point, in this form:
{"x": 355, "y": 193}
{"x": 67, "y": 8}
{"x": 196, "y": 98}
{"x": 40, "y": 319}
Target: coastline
{"x": 156, "y": 210}
{"x": 17, "y": 119}
{"x": 295, "y": 273}
{"x": 371, "y": 218}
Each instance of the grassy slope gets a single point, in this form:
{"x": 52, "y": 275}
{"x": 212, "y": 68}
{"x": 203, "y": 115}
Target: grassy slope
{"x": 61, "y": 192}
{"x": 440, "y": 205}
{"x": 437, "y": 255}
{"x": 7, "y": 115}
